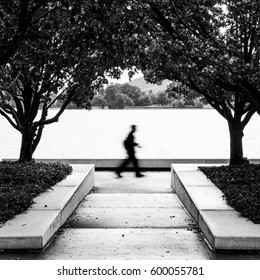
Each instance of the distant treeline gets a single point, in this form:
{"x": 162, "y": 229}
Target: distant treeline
{"x": 120, "y": 96}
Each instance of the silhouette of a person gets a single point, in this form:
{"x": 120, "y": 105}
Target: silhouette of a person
{"x": 130, "y": 145}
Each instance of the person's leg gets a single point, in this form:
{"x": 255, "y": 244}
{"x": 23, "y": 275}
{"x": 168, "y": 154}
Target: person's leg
{"x": 136, "y": 165}
{"x": 122, "y": 166}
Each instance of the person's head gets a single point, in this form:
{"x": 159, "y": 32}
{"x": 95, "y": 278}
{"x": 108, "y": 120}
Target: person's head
{"x": 133, "y": 127}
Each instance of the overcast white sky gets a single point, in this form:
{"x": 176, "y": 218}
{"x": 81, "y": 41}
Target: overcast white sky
{"x": 124, "y": 78}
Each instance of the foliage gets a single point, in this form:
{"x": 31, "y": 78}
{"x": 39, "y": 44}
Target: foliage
{"x": 110, "y": 94}
{"x": 208, "y": 47}
{"x": 135, "y": 97}
{"x": 211, "y": 47}
{"x": 198, "y": 103}
{"x": 132, "y": 92}
{"x": 99, "y": 101}
{"x": 144, "y": 100}
{"x": 240, "y": 185}
{"x": 160, "y": 98}
{"x": 120, "y": 96}
{"x": 63, "y": 57}
{"x": 17, "y": 18}
{"x": 121, "y": 101}
{"x": 21, "y": 182}
{"x": 178, "y": 103}
{"x": 178, "y": 90}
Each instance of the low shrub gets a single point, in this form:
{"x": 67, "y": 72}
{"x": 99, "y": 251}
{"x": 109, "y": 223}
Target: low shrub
{"x": 240, "y": 185}
{"x": 21, "y": 182}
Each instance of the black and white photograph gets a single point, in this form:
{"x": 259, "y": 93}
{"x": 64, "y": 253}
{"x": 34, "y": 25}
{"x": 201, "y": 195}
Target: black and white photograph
{"x": 130, "y": 132}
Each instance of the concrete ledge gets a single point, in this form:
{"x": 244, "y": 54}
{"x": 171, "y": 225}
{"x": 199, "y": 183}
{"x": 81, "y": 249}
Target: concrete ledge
{"x": 34, "y": 228}
{"x": 221, "y": 225}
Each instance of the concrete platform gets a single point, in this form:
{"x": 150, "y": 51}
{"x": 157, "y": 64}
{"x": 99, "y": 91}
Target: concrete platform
{"x": 126, "y": 244}
{"x": 156, "y": 183}
{"x": 222, "y": 226}
{"x": 34, "y": 228}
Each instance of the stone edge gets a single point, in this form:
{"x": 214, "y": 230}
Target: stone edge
{"x": 41, "y": 240}
{"x": 223, "y": 242}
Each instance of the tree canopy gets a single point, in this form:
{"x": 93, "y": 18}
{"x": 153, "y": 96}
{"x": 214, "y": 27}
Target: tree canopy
{"x": 17, "y": 18}
{"x": 120, "y": 96}
{"x": 63, "y": 49}
{"x": 210, "y": 46}
{"x": 65, "y": 53}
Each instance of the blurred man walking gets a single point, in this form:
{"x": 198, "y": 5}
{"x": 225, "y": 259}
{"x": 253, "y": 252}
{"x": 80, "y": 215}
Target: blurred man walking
{"x": 130, "y": 145}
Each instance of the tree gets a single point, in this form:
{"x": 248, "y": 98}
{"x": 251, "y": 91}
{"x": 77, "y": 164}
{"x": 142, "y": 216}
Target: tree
{"x": 210, "y": 46}
{"x": 110, "y": 94}
{"x": 99, "y": 101}
{"x": 182, "y": 95}
{"x": 17, "y": 17}
{"x": 243, "y": 32}
{"x": 144, "y": 100}
{"x": 132, "y": 92}
{"x": 153, "y": 98}
{"x": 121, "y": 101}
{"x": 178, "y": 90}
{"x": 64, "y": 56}
{"x": 162, "y": 98}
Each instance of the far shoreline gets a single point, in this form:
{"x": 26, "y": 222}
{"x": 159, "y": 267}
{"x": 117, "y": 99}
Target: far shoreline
{"x": 145, "y": 108}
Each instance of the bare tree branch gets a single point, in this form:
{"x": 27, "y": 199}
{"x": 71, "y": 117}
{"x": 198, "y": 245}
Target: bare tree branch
{"x": 2, "y": 112}
{"x": 247, "y": 117}
{"x": 63, "y": 107}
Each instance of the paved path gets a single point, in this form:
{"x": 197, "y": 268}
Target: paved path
{"x": 127, "y": 218}
{"x": 132, "y": 218}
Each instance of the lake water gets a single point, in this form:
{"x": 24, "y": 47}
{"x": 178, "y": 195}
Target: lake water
{"x": 163, "y": 133}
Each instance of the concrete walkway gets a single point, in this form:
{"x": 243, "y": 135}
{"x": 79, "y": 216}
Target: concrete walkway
{"x": 127, "y": 218}
{"x": 133, "y": 218}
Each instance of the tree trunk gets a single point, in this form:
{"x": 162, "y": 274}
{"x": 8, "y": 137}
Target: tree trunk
{"x": 26, "y": 151}
{"x": 236, "y": 143}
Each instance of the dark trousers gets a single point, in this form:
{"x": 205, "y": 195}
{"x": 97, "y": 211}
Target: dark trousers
{"x": 131, "y": 158}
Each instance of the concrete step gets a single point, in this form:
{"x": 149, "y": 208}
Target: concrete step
{"x": 131, "y": 200}
{"x": 130, "y": 211}
{"x": 130, "y": 218}
{"x": 135, "y": 244}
